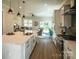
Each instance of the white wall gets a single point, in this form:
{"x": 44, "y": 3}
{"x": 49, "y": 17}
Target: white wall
{"x": 39, "y": 19}
{"x": 58, "y": 21}
{"x": 9, "y": 20}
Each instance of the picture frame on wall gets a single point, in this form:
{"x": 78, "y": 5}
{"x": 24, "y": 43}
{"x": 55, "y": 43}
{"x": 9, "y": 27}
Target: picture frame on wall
{"x": 35, "y": 23}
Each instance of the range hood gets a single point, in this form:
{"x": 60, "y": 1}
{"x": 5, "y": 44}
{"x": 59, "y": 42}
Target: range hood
{"x": 70, "y": 11}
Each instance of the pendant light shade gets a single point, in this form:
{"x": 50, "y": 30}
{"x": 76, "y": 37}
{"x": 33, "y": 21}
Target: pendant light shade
{"x": 18, "y": 14}
{"x": 10, "y": 10}
{"x": 24, "y": 8}
{"x": 23, "y": 16}
{"x": 23, "y": 1}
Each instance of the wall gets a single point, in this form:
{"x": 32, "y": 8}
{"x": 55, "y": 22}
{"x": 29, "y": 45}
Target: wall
{"x": 6, "y": 21}
{"x": 38, "y": 20}
{"x": 58, "y": 21}
{"x": 9, "y": 20}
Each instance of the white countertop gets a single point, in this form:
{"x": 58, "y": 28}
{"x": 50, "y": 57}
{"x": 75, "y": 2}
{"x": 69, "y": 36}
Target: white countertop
{"x": 70, "y": 43}
{"x": 18, "y": 38}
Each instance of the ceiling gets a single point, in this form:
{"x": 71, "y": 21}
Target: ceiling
{"x": 37, "y": 7}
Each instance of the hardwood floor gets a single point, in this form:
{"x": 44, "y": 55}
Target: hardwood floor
{"x": 45, "y": 49}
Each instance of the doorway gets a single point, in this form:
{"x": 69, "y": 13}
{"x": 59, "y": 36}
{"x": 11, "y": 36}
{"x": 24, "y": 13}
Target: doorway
{"x": 46, "y": 28}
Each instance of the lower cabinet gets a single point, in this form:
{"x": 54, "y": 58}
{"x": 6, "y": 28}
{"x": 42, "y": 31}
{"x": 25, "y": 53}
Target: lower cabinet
{"x": 29, "y": 46}
{"x": 69, "y": 53}
{"x": 67, "y": 48}
{"x": 12, "y": 51}
{"x": 18, "y": 51}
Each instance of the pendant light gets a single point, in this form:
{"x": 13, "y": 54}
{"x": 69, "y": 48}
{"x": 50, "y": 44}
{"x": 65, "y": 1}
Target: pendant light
{"x": 24, "y": 8}
{"x": 18, "y": 14}
{"x": 10, "y": 10}
{"x": 23, "y": 16}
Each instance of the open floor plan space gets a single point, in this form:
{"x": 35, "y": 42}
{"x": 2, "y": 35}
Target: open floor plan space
{"x": 45, "y": 49}
{"x": 39, "y": 29}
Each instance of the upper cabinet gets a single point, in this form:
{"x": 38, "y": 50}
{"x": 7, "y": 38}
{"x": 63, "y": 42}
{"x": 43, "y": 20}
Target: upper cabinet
{"x": 69, "y": 7}
{"x": 73, "y": 3}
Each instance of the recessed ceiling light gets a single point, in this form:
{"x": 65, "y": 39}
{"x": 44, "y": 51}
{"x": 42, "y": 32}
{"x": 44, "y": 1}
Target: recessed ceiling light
{"x": 20, "y": 7}
{"x": 45, "y": 4}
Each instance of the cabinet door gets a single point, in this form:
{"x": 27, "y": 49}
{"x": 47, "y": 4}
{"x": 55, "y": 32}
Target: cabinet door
{"x": 11, "y": 51}
{"x": 26, "y": 50}
{"x": 57, "y": 16}
{"x": 65, "y": 52}
{"x": 30, "y": 45}
{"x": 68, "y": 53}
{"x": 73, "y": 3}
{"x": 5, "y": 52}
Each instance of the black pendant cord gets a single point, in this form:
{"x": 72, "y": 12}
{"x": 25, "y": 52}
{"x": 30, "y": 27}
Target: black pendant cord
{"x": 18, "y": 5}
{"x": 10, "y": 10}
{"x": 18, "y": 14}
{"x": 10, "y": 4}
{"x": 24, "y": 6}
{"x": 24, "y": 9}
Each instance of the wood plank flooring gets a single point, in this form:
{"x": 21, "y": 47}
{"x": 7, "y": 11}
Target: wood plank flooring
{"x": 45, "y": 49}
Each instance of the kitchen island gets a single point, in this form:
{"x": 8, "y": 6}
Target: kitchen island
{"x": 18, "y": 46}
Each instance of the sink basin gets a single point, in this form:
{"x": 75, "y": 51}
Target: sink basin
{"x": 28, "y": 33}
{"x": 10, "y": 33}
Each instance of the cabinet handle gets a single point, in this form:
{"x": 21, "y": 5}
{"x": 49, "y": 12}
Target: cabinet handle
{"x": 27, "y": 41}
{"x": 69, "y": 49}
{"x": 33, "y": 40}
{"x": 28, "y": 46}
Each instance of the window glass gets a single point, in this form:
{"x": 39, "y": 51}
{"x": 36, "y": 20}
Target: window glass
{"x": 28, "y": 23}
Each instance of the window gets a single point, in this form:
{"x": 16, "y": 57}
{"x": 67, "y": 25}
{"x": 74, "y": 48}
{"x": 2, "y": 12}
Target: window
{"x": 27, "y": 23}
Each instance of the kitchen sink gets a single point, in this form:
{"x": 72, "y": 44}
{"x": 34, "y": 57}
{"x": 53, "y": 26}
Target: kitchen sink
{"x": 10, "y": 33}
{"x": 28, "y": 33}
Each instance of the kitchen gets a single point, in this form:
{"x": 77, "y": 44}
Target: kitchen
{"x": 39, "y": 29}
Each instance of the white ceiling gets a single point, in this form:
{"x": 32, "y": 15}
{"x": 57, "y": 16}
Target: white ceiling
{"x": 37, "y": 7}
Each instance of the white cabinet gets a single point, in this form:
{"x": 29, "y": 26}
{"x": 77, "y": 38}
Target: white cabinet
{"x": 11, "y": 51}
{"x": 27, "y": 50}
{"x": 57, "y": 17}
{"x": 69, "y": 51}
{"x": 69, "y": 47}
{"x": 18, "y": 51}
{"x": 73, "y": 2}
{"x": 29, "y": 45}
{"x": 66, "y": 19}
